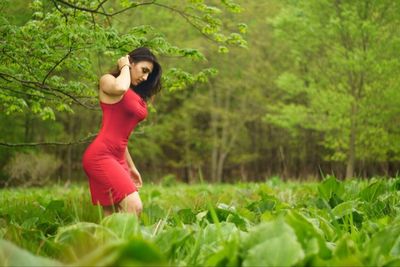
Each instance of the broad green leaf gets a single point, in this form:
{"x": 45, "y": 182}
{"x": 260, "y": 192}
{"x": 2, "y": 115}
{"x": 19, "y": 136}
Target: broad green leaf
{"x": 330, "y": 187}
{"x": 345, "y": 247}
{"x": 81, "y": 238}
{"x": 283, "y": 250}
{"x": 11, "y": 255}
{"x": 272, "y": 244}
{"x": 346, "y": 208}
{"x": 373, "y": 191}
{"x": 186, "y": 216}
{"x": 132, "y": 252}
{"x": 172, "y": 240}
{"x": 124, "y": 225}
{"x": 226, "y": 255}
{"x": 383, "y": 247}
{"x": 309, "y": 234}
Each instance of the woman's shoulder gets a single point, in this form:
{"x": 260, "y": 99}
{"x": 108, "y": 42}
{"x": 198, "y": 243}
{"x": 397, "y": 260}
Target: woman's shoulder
{"x": 107, "y": 85}
{"x": 106, "y": 78}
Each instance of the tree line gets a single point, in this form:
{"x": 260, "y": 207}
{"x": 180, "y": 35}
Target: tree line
{"x": 251, "y": 89}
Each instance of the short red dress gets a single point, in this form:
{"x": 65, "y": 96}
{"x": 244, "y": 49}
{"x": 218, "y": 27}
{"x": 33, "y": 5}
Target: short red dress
{"x": 104, "y": 159}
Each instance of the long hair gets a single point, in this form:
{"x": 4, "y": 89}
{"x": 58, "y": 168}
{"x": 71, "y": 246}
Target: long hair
{"x": 152, "y": 85}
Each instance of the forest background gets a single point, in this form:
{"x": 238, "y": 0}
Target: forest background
{"x": 252, "y": 89}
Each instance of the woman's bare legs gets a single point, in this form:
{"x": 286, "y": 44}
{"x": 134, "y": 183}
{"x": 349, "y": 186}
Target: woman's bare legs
{"x": 132, "y": 204}
{"x": 108, "y": 210}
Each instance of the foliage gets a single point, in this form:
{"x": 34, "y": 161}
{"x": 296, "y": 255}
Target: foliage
{"x": 282, "y": 106}
{"x": 47, "y": 62}
{"x": 342, "y": 58}
{"x": 270, "y": 224}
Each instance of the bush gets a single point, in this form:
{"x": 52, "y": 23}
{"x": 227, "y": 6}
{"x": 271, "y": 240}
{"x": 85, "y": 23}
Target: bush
{"x": 168, "y": 180}
{"x": 28, "y": 168}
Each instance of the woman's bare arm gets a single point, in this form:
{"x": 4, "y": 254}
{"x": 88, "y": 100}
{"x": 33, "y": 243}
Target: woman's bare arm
{"x": 117, "y": 85}
{"x": 129, "y": 159}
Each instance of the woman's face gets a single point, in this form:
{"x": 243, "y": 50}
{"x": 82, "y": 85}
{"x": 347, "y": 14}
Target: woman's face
{"x": 140, "y": 71}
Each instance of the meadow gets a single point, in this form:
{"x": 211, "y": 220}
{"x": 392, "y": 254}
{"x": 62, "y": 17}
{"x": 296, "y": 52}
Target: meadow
{"x": 275, "y": 223}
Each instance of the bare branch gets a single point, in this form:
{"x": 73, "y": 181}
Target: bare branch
{"x": 65, "y": 15}
{"x": 132, "y": 6}
{"x": 186, "y": 17}
{"x": 80, "y": 141}
{"x": 93, "y": 21}
{"x": 58, "y": 63}
{"x": 101, "y": 4}
{"x": 96, "y": 10}
{"x": 108, "y": 18}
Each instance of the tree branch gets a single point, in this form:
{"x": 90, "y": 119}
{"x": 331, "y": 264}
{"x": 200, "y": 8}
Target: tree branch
{"x": 38, "y": 85}
{"x": 65, "y": 15}
{"x": 96, "y": 10}
{"x": 80, "y": 141}
{"x": 21, "y": 65}
{"x": 186, "y": 17}
{"x": 180, "y": 12}
{"x": 58, "y": 63}
{"x": 108, "y": 18}
{"x": 25, "y": 93}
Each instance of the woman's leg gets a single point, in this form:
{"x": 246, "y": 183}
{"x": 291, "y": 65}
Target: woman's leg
{"x": 108, "y": 210}
{"x": 132, "y": 204}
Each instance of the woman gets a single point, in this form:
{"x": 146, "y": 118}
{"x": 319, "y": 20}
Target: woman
{"x": 113, "y": 178}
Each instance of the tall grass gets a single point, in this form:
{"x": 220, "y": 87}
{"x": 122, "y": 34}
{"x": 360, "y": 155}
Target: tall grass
{"x": 328, "y": 223}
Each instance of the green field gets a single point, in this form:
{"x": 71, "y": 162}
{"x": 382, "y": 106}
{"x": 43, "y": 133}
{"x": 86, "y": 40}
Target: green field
{"x": 342, "y": 223}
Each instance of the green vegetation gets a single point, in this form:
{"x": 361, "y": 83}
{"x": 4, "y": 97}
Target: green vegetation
{"x": 331, "y": 223}
{"x": 252, "y": 89}
{"x": 306, "y": 88}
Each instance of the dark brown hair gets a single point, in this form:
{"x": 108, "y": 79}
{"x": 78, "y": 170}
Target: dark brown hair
{"x": 152, "y": 85}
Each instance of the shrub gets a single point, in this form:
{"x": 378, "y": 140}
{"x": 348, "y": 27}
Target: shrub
{"x": 29, "y": 168}
{"x": 169, "y": 180}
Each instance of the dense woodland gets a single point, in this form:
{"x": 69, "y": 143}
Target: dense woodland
{"x": 251, "y": 89}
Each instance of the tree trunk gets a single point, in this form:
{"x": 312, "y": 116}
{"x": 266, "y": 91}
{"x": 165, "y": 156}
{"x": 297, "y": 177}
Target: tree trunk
{"x": 243, "y": 173}
{"x": 214, "y": 132}
{"x": 352, "y": 143}
{"x": 28, "y": 127}
{"x": 220, "y": 167}
{"x": 187, "y": 163}
{"x": 70, "y": 121}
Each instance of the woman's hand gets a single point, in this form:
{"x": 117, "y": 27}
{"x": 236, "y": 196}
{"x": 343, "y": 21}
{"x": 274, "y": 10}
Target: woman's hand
{"x": 137, "y": 179}
{"x": 123, "y": 61}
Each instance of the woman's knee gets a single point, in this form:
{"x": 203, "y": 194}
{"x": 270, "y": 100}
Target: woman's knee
{"x": 108, "y": 210}
{"x": 132, "y": 204}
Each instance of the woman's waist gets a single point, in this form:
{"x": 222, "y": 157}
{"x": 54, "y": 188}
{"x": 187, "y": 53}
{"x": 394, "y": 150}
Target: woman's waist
{"x": 114, "y": 134}
{"x": 102, "y": 145}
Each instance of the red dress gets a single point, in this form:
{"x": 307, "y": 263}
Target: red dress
{"x": 104, "y": 159}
